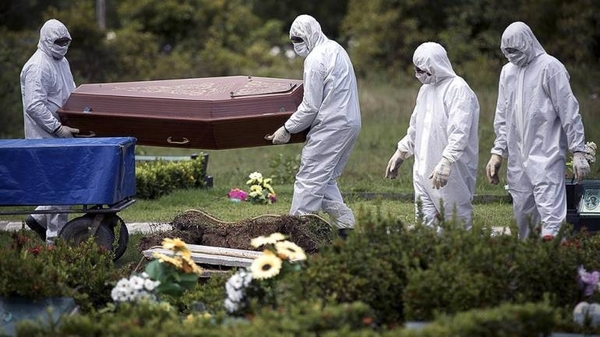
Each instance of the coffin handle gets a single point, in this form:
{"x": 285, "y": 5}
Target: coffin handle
{"x": 182, "y": 142}
{"x": 89, "y": 135}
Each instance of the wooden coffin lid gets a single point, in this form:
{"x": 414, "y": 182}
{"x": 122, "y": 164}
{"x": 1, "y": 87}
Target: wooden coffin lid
{"x": 196, "y": 98}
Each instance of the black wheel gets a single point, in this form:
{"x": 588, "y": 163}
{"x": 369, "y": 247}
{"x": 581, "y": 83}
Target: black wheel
{"x": 118, "y": 225}
{"x": 78, "y": 230}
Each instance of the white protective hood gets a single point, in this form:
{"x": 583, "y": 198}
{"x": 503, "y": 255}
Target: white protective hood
{"x": 536, "y": 121}
{"x": 330, "y": 108}
{"x": 443, "y": 124}
{"x": 519, "y": 36}
{"x": 46, "y": 83}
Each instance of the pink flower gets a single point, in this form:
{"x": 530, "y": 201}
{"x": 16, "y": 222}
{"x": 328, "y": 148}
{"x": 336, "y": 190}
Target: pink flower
{"x": 272, "y": 198}
{"x": 237, "y": 194}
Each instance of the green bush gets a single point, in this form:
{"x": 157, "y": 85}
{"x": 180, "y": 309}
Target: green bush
{"x": 157, "y": 178}
{"x": 368, "y": 267}
{"x": 30, "y": 269}
{"x": 529, "y": 319}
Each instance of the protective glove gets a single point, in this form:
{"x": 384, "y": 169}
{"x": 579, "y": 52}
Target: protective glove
{"x": 394, "y": 164}
{"x": 441, "y": 174}
{"x": 64, "y": 131}
{"x": 281, "y": 136}
{"x": 492, "y": 169}
{"x": 581, "y": 167}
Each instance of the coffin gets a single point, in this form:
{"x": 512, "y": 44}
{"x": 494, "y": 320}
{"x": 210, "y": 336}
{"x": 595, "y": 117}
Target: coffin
{"x": 201, "y": 113}
{"x": 67, "y": 171}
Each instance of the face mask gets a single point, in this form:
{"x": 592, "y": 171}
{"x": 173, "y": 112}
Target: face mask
{"x": 301, "y": 49}
{"x": 425, "y": 78}
{"x": 58, "y": 52}
{"x": 517, "y": 58}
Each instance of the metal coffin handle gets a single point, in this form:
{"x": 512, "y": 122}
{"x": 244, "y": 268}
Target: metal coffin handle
{"x": 182, "y": 142}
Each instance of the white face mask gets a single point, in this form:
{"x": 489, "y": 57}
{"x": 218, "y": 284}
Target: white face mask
{"x": 425, "y": 78}
{"x": 517, "y": 58}
{"x": 301, "y": 49}
{"x": 58, "y": 52}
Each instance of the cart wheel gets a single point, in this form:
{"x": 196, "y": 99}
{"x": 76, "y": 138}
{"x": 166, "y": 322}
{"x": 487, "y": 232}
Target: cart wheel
{"x": 117, "y": 224}
{"x": 77, "y": 231}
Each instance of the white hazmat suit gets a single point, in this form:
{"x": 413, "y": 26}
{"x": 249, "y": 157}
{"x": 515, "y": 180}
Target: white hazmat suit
{"x": 442, "y": 136}
{"x": 330, "y": 108}
{"x": 46, "y": 83}
{"x": 537, "y": 119}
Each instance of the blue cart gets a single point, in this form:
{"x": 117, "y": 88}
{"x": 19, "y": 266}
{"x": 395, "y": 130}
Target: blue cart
{"x": 95, "y": 176}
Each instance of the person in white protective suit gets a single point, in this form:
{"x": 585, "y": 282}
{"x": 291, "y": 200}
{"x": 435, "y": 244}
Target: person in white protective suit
{"x": 330, "y": 108}
{"x": 537, "y": 119}
{"x": 442, "y": 136}
{"x": 46, "y": 83}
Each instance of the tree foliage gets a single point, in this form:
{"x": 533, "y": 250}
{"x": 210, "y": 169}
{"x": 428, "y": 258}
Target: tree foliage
{"x": 162, "y": 39}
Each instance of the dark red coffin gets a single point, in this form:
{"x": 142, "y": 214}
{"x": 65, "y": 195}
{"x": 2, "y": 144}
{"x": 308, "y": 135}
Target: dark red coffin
{"x": 201, "y": 113}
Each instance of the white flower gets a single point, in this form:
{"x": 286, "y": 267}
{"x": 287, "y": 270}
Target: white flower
{"x": 590, "y": 152}
{"x": 235, "y": 295}
{"x": 150, "y": 284}
{"x": 136, "y": 282}
{"x": 231, "y": 306}
{"x": 255, "y": 176}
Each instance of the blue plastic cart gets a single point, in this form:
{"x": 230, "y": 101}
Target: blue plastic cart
{"x": 95, "y": 176}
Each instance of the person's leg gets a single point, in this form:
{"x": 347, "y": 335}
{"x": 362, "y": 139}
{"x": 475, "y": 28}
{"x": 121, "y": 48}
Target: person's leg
{"x": 525, "y": 212}
{"x": 37, "y": 222}
{"x": 426, "y": 211}
{"x": 52, "y": 223}
{"x": 334, "y": 206}
{"x": 551, "y": 201}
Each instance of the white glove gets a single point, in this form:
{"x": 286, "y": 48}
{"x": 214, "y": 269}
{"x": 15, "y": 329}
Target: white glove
{"x": 581, "y": 167}
{"x": 440, "y": 174}
{"x": 281, "y": 136}
{"x": 64, "y": 131}
{"x": 394, "y": 164}
{"x": 492, "y": 169}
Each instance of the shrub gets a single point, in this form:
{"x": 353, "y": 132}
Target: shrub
{"x": 157, "y": 178}
{"x": 30, "y": 269}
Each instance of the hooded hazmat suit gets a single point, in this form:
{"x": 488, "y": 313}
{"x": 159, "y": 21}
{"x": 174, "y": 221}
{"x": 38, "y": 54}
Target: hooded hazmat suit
{"x": 443, "y": 128}
{"x": 331, "y": 110}
{"x": 537, "y": 119}
{"x": 46, "y": 83}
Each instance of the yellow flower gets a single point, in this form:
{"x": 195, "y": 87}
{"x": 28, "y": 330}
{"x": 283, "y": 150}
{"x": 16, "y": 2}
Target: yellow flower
{"x": 177, "y": 245}
{"x": 262, "y": 240}
{"x": 265, "y": 266}
{"x": 290, "y": 251}
{"x": 269, "y": 187}
{"x": 168, "y": 259}
{"x": 189, "y": 266}
{"x": 256, "y": 188}
{"x": 276, "y": 237}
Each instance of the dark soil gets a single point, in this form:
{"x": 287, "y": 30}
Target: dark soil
{"x": 199, "y": 228}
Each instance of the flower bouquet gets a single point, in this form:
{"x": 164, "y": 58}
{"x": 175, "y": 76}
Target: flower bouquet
{"x": 261, "y": 191}
{"x": 258, "y": 283}
{"x": 170, "y": 274}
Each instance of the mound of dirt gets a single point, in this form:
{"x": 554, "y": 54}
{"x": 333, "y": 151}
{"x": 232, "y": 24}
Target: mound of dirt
{"x": 199, "y": 228}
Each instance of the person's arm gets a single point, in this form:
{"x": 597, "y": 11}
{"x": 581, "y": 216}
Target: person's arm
{"x": 35, "y": 98}
{"x": 566, "y": 106}
{"x": 463, "y": 109}
{"x": 407, "y": 144}
{"x": 314, "y": 82}
{"x": 500, "y": 147}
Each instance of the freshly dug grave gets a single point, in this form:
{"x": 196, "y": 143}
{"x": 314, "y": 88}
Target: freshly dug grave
{"x": 199, "y": 228}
